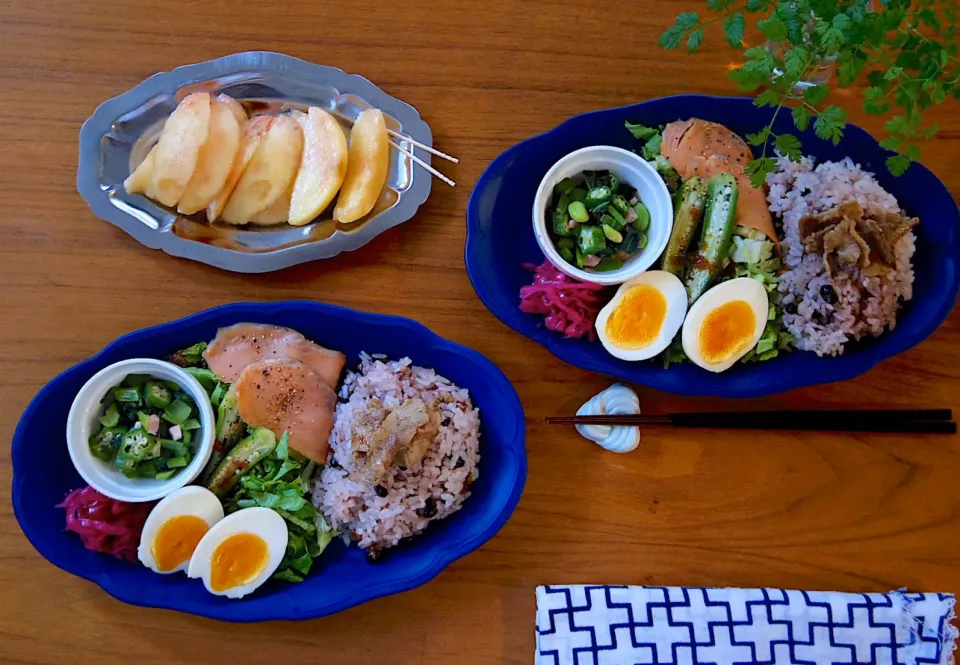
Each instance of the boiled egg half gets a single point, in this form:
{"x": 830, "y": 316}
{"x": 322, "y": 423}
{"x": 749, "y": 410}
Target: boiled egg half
{"x": 725, "y": 323}
{"x": 175, "y": 527}
{"x": 240, "y": 552}
{"x": 643, "y": 317}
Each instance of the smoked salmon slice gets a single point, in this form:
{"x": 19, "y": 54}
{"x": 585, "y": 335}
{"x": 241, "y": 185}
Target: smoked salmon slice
{"x": 288, "y": 397}
{"x": 697, "y": 147}
{"x": 243, "y": 344}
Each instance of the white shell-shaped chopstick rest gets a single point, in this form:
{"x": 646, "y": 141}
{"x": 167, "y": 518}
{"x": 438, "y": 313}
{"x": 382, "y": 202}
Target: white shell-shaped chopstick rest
{"x": 618, "y": 399}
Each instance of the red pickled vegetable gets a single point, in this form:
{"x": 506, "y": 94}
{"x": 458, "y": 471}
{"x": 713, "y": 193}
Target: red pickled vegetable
{"x": 569, "y": 306}
{"x": 104, "y": 524}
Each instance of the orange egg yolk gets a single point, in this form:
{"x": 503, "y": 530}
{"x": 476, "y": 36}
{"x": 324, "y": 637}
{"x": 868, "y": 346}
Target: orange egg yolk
{"x": 237, "y": 560}
{"x": 636, "y": 322}
{"x": 727, "y": 331}
{"x": 176, "y": 539}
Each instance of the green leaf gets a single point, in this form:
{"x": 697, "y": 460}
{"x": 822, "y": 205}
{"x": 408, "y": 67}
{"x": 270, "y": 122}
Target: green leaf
{"x": 671, "y": 38}
{"x": 652, "y": 148}
{"x": 801, "y": 117}
{"x": 795, "y": 61}
{"x": 930, "y": 131}
{"x": 830, "y": 124}
{"x": 930, "y": 17}
{"x": 759, "y": 169}
{"x": 876, "y": 78}
{"x": 641, "y": 132}
{"x": 898, "y": 124}
{"x": 830, "y": 37}
{"x": 759, "y": 62}
{"x": 898, "y": 164}
{"x": 302, "y": 563}
{"x": 757, "y": 5}
{"x": 890, "y": 143}
{"x": 325, "y": 534}
{"x": 694, "y": 41}
{"x": 841, "y": 22}
{"x": 294, "y": 519}
{"x": 283, "y": 447}
{"x": 687, "y": 20}
{"x": 876, "y": 107}
{"x": 758, "y": 138}
{"x": 789, "y": 146}
{"x": 287, "y": 575}
{"x": 292, "y": 503}
{"x": 773, "y": 28}
{"x": 850, "y": 66}
{"x": 734, "y": 28}
{"x": 816, "y": 94}
{"x": 746, "y": 81}
{"x": 939, "y": 94}
{"x": 768, "y": 97}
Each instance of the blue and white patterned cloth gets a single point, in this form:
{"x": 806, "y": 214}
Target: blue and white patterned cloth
{"x": 629, "y": 625}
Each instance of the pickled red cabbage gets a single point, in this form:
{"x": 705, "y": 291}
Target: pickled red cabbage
{"x": 104, "y": 524}
{"x": 568, "y": 305}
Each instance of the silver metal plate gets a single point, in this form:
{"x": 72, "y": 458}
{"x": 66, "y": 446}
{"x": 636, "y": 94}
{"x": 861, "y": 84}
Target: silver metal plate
{"x": 117, "y": 137}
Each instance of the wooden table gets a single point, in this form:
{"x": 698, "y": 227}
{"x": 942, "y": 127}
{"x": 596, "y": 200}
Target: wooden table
{"x": 858, "y": 513}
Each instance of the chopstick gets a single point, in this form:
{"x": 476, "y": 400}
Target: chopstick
{"x": 424, "y": 164}
{"x": 919, "y": 421}
{"x": 423, "y": 146}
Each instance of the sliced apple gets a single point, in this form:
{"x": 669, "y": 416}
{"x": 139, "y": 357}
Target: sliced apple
{"x": 276, "y": 213}
{"x": 236, "y": 108}
{"x": 269, "y": 174}
{"x": 253, "y": 132}
{"x": 323, "y": 165}
{"x": 367, "y": 167}
{"x": 215, "y": 161}
{"x": 141, "y": 180}
{"x": 179, "y": 147}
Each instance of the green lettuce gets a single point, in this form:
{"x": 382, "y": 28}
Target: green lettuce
{"x": 753, "y": 257}
{"x": 281, "y": 482}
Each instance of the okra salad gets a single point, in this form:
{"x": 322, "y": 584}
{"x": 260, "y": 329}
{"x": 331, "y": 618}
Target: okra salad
{"x": 598, "y": 222}
{"x": 710, "y": 299}
{"x": 147, "y": 428}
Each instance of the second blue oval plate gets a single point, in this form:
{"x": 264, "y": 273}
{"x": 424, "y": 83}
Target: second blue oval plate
{"x": 500, "y": 240}
{"x": 341, "y": 578}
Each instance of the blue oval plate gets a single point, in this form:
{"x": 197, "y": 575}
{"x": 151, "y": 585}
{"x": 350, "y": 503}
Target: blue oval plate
{"x": 500, "y": 239}
{"x": 342, "y": 577}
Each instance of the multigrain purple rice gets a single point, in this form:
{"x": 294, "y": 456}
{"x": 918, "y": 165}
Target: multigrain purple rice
{"x": 380, "y": 516}
{"x": 823, "y": 320}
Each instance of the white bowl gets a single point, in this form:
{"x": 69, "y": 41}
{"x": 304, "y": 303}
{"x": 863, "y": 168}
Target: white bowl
{"x": 83, "y": 421}
{"x": 629, "y": 168}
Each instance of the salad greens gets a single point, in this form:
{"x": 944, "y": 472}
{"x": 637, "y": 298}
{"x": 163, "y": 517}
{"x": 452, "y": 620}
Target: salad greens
{"x": 753, "y": 256}
{"x": 281, "y": 482}
{"x": 249, "y": 467}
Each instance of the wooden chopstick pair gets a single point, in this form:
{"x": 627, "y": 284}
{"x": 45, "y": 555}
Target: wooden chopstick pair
{"x": 905, "y": 421}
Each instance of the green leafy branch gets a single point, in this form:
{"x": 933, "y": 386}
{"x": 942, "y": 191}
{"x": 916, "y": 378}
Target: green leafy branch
{"x": 906, "y": 54}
